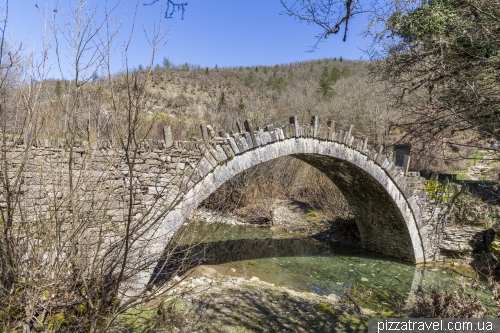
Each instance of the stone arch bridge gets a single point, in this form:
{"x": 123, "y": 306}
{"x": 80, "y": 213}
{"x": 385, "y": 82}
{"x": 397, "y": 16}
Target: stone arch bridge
{"x": 395, "y": 216}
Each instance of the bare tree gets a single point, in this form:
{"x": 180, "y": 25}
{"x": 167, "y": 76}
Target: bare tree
{"x": 75, "y": 242}
{"x": 332, "y": 16}
{"x": 171, "y": 5}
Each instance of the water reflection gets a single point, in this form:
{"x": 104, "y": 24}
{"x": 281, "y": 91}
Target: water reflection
{"x": 305, "y": 264}
{"x": 312, "y": 266}
{"x": 221, "y": 252}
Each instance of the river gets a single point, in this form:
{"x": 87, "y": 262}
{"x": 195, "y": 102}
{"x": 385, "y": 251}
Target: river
{"x": 298, "y": 262}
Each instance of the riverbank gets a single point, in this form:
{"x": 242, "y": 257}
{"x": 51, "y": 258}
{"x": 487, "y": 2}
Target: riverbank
{"x": 212, "y": 299}
{"x": 290, "y": 216}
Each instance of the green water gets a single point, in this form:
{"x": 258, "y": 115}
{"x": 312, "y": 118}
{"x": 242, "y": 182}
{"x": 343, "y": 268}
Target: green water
{"x": 297, "y": 262}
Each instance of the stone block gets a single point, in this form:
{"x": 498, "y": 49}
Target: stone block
{"x": 304, "y": 132}
{"x": 280, "y": 134}
{"x": 204, "y": 135}
{"x": 244, "y": 144}
{"x": 249, "y": 140}
{"x": 249, "y": 129}
{"x": 238, "y": 142}
{"x": 204, "y": 166}
{"x": 294, "y": 122}
{"x": 219, "y": 154}
{"x": 266, "y": 138}
{"x": 406, "y": 164}
{"x": 286, "y": 131}
{"x": 233, "y": 144}
{"x": 228, "y": 151}
{"x": 348, "y": 133}
{"x": 402, "y": 150}
{"x": 273, "y": 135}
{"x": 314, "y": 126}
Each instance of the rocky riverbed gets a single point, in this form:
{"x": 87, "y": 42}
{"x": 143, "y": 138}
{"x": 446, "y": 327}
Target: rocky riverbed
{"x": 214, "y": 299}
{"x": 290, "y": 216}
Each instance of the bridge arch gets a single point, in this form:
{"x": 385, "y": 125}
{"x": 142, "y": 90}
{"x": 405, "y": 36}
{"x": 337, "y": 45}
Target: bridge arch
{"x": 374, "y": 188}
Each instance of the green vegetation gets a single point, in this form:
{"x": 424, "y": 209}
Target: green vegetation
{"x": 447, "y": 51}
{"x": 277, "y": 82}
{"x": 495, "y": 246}
{"x": 166, "y": 63}
{"x": 329, "y": 78}
{"x": 313, "y": 217}
{"x": 476, "y": 157}
{"x": 325, "y": 84}
{"x": 346, "y": 72}
{"x": 58, "y": 89}
{"x": 437, "y": 191}
{"x": 327, "y": 309}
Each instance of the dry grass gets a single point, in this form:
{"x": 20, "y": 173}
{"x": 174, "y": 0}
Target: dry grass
{"x": 434, "y": 303}
{"x": 253, "y": 193}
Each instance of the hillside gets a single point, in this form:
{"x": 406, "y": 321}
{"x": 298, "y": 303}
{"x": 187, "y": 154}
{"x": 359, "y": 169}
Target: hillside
{"x": 185, "y": 96}
{"x": 270, "y": 95}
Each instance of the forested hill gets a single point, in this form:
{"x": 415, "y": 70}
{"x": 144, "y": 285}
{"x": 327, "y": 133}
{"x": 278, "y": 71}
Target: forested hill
{"x": 185, "y": 96}
{"x": 331, "y": 88}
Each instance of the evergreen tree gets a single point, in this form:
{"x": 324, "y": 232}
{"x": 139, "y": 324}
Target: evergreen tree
{"x": 277, "y": 82}
{"x": 166, "y": 63}
{"x": 222, "y": 100}
{"x": 443, "y": 67}
{"x": 325, "y": 88}
{"x": 250, "y": 78}
{"x": 346, "y": 72}
{"x": 335, "y": 74}
{"x": 241, "y": 106}
{"x": 58, "y": 90}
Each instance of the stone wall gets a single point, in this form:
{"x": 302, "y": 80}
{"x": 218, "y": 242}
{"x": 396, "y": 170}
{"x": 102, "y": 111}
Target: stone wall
{"x": 101, "y": 176}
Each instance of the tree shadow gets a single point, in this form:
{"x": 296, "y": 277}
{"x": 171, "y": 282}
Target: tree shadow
{"x": 270, "y": 310}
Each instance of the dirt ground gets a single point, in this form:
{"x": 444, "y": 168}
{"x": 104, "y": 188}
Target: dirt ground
{"x": 212, "y": 299}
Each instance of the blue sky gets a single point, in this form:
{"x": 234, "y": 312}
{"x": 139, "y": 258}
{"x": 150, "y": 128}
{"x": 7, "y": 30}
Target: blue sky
{"x": 213, "y": 32}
